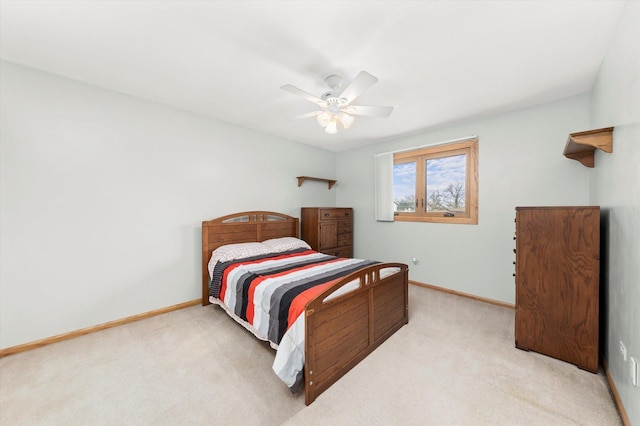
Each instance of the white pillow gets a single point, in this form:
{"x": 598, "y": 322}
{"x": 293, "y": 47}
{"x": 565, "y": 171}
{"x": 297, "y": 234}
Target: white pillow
{"x": 236, "y": 251}
{"x": 278, "y": 245}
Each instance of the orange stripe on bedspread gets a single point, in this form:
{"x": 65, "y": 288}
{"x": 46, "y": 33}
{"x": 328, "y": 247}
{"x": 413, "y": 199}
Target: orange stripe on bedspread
{"x": 300, "y": 301}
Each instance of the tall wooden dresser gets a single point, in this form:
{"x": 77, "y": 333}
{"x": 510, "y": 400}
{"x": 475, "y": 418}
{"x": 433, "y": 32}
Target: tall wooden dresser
{"x": 328, "y": 230}
{"x": 557, "y": 282}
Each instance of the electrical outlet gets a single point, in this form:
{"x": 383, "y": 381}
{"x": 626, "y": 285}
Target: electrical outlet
{"x": 623, "y": 351}
{"x": 634, "y": 371}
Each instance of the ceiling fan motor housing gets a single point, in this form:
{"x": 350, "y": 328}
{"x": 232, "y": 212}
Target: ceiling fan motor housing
{"x": 333, "y": 103}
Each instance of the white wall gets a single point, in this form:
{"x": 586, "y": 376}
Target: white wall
{"x": 102, "y": 197}
{"x": 520, "y": 164}
{"x": 616, "y": 188}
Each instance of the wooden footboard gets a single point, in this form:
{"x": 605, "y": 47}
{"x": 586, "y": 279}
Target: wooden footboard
{"x": 341, "y": 332}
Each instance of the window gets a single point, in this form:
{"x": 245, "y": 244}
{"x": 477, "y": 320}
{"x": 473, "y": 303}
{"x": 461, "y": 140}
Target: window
{"x": 437, "y": 184}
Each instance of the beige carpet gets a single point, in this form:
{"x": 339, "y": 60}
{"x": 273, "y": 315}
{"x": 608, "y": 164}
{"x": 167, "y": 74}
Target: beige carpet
{"x": 453, "y": 364}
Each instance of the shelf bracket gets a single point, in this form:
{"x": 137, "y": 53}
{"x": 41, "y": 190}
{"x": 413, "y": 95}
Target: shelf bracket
{"x": 580, "y": 146}
{"x": 330, "y": 182}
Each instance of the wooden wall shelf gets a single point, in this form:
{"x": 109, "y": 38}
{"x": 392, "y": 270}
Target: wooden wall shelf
{"x": 580, "y": 146}
{"x": 330, "y": 182}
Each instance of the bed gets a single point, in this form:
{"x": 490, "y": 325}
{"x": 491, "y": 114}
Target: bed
{"x": 341, "y": 323}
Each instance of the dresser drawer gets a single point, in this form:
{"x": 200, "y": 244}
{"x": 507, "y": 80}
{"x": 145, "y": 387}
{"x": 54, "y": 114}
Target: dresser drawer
{"x": 344, "y": 239}
{"x": 345, "y": 226}
{"x": 335, "y": 214}
{"x": 340, "y": 252}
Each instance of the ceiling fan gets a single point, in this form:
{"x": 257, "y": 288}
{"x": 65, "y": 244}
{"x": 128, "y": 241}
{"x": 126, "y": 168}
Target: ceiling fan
{"x": 336, "y": 110}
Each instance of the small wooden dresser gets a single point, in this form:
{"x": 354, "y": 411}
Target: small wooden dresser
{"x": 328, "y": 230}
{"x": 557, "y": 282}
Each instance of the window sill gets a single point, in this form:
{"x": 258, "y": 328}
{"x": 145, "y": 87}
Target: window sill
{"x": 437, "y": 219}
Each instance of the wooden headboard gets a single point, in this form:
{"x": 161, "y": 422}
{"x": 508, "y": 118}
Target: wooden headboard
{"x": 245, "y": 227}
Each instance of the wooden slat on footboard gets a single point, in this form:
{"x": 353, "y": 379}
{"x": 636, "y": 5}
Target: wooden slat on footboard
{"x": 337, "y": 338}
{"x": 342, "y": 332}
{"x": 389, "y": 305}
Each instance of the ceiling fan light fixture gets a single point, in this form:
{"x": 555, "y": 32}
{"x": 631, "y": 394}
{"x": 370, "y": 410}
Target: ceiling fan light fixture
{"x": 332, "y": 127}
{"x": 346, "y": 119}
{"x": 323, "y": 119}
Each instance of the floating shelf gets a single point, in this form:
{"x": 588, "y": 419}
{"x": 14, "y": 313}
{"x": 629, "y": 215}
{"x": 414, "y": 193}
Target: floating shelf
{"x": 303, "y": 178}
{"x": 581, "y": 145}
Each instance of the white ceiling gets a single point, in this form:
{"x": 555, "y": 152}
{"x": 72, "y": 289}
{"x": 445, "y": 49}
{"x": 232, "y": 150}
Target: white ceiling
{"x": 437, "y": 61}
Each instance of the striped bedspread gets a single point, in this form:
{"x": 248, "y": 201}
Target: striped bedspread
{"x": 269, "y": 293}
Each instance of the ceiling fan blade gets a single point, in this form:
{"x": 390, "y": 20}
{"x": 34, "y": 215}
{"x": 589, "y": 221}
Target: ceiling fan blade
{"x": 307, "y": 115}
{"x": 371, "y": 111}
{"x": 362, "y": 82}
{"x": 299, "y": 92}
